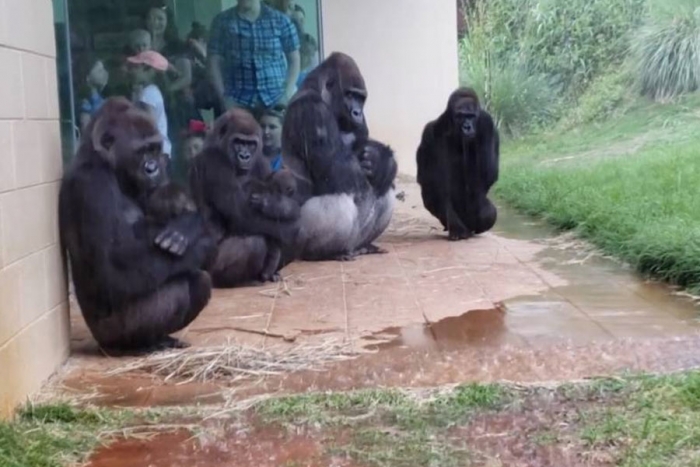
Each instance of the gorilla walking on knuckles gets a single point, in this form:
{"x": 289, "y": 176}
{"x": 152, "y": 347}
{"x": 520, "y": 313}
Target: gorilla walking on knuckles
{"x": 344, "y": 179}
{"x": 458, "y": 160}
{"x": 252, "y": 219}
{"x": 137, "y": 280}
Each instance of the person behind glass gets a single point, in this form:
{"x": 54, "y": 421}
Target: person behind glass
{"x": 193, "y": 140}
{"x": 309, "y": 56}
{"x": 271, "y": 122}
{"x": 96, "y": 77}
{"x": 253, "y": 56}
{"x": 144, "y": 70}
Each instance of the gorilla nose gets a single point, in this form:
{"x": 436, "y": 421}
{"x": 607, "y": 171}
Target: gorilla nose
{"x": 357, "y": 114}
{"x": 151, "y": 167}
{"x": 244, "y": 156}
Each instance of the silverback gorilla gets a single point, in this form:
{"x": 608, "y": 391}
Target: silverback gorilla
{"x": 458, "y": 161}
{"x": 136, "y": 282}
{"x": 344, "y": 180}
{"x": 251, "y": 227}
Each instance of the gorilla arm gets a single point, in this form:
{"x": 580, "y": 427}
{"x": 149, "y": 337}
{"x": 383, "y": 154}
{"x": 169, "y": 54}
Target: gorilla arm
{"x": 276, "y": 207}
{"x": 434, "y": 178}
{"x": 125, "y": 265}
{"x": 224, "y": 194}
{"x": 379, "y": 165}
{"x": 488, "y": 150}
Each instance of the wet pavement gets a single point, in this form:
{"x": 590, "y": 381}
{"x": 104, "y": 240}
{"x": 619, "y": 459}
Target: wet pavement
{"x": 517, "y": 304}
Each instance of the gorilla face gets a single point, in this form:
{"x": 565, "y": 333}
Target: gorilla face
{"x": 141, "y": 164}
{"x": 242, "y": 149}
{"x": 464, "y": 116}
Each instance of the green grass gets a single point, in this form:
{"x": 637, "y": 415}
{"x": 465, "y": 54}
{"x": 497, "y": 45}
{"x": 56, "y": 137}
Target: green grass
{"x": 630, "y": 185}
{"x": 659, "y": 424}
{"x": 390, "y": 428}
{"x": 633, "y": 421}
{"x": 55, "y": 435}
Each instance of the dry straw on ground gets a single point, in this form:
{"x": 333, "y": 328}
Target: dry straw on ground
{"x": 234, "y": 362}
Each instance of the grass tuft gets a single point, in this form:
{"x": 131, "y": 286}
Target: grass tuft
{"x": 666, "y": 50}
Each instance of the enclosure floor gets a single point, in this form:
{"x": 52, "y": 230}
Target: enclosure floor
{"x": 516, "y": 304}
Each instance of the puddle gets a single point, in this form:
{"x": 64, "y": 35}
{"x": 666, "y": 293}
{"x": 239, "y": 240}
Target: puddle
{"x": 132, "y": 391}
{"x": 244, "y": 447}
{"x": 474, "y": 328}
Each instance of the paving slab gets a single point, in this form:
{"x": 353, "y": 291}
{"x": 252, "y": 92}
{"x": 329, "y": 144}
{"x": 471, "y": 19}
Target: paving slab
{"x": 518, "y": 303}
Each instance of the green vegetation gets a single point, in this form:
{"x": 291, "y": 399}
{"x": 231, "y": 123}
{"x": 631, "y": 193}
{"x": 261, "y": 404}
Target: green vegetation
{"x": 630, "y": 185}
{"x": 530, "y": 60}
{"x": 666, "y": 50}
{"x": 618, "y": 167}
{"x": 635, "y": 421}
{"x": 55, "y": 435}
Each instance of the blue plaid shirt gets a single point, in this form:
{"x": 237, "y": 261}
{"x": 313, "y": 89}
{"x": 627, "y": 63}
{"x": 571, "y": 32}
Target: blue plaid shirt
{"x": 253, "y": 54}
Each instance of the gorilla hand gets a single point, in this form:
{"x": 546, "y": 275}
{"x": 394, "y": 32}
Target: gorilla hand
{"x": 172, "y": 241}
{"x": 367, "y": 163}
{"x": 176, "y": 237}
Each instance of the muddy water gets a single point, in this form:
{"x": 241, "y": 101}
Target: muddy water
{"x": 245, "y": 447}
{"x": 474, "y": 328}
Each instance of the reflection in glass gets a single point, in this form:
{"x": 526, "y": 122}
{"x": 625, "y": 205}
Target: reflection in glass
{"x": 219, "y": 53}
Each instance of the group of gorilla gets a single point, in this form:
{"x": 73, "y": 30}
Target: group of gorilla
{"x": 144, "y": 252}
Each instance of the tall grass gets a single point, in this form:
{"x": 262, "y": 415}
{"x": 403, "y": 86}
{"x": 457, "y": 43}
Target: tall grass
{"x": 666, "y": 50}
{"x": 526, "y": 58}
{"x": 491, "y": 63}
{"x": 638, "y": 202}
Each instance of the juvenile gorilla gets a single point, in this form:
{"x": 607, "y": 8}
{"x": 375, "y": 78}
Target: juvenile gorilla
{"x": 250, "y": 225}
{"x": 345, "y": 191}
{"x": 136, "y": 282}
{"x": 458, "y": 160}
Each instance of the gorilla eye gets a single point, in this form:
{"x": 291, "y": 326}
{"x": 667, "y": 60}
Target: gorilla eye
{"x": 151, "y": 168}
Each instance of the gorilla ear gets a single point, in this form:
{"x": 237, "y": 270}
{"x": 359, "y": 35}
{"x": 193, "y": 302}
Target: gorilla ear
{"x": 327, "y": 91}
{"x": 222, "y": 131}
{"x": 103, "y": 139}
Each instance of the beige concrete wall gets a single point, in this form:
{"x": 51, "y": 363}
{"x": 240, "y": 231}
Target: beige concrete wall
{"x": 34, "y": 327}
{"x": 407, "y": 51}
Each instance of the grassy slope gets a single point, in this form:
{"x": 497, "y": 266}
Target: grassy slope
{"x": 631, "y": 186}
{"x": 636, "y": 421}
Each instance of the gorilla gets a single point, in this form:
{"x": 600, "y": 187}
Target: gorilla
{"x": 251, "y": 220}
{"x": 458, "y": 160}
{"x": 136, "y": 282}
{"x": 345, "y": 192}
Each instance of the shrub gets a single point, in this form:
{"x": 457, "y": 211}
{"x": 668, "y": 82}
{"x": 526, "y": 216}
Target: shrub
{"x": 606, "y": 95}
{"x": 517, "y": 99}
{"x": 666, "y": 50}
{"x": 491, "y": 64}
{"x": 574, "y": 40}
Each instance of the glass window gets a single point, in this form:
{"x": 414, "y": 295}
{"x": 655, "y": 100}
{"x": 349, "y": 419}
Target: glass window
{"x": 186, "y": 60}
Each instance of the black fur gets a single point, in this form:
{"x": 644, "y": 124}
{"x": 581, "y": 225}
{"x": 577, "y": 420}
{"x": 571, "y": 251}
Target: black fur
{"x": 136, "y": 283}
{"x": 251, "y": 226}
{"x": 458, "y": 163}
{"x": 346, "y": 197}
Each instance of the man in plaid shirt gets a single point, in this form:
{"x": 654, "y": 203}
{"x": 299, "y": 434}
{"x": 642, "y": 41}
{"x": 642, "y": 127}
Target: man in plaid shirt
{"x": 253, "y": 56}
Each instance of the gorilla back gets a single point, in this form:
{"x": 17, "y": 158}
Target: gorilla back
{"x": 324, "y": 137}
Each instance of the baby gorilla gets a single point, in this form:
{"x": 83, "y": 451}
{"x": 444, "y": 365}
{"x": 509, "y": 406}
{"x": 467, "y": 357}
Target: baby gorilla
{"x": 167, "y": 202}
{"x": 264, "y": 197}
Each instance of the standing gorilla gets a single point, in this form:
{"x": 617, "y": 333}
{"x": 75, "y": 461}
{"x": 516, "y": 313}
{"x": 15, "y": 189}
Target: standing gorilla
{"x": 251, "y": 225}
{"x": 458, "y": 161}
{"x": 136, "y": 282}
{"x": 344, "y": 180}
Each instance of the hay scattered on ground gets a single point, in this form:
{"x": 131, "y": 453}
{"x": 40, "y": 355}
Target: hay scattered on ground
{"x": 235, "y": 362}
